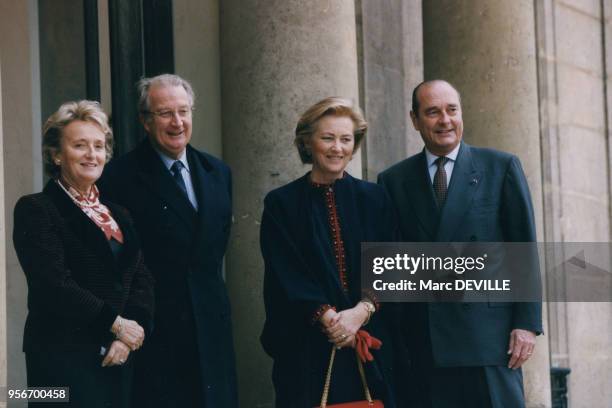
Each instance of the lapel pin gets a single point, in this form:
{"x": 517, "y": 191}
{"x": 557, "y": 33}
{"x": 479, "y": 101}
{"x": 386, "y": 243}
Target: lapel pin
{"x": 474, "y": 181}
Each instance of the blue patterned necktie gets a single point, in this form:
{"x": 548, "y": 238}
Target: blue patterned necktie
{"x": 176, "y": 168}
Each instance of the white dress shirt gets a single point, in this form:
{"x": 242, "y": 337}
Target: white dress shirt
{"x": 448, "y": 166}
{"x": 185, "y": 172}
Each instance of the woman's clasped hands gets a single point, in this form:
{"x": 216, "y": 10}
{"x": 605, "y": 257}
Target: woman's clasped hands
{"x": 341, "y": 327}
{"x": 129, "y": 337}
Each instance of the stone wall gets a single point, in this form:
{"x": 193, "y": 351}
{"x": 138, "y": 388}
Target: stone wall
{"x": 22, "y": 164}
{"x": 574, "y": 106}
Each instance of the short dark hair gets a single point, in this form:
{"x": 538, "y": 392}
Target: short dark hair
{"x": 415, "y": 100}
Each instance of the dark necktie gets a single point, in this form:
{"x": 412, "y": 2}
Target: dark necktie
{"x": 176, "y": 168}
{"x": 439, "y": 181}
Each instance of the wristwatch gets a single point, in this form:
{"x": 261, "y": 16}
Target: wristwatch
{"x": 370, "y": 308}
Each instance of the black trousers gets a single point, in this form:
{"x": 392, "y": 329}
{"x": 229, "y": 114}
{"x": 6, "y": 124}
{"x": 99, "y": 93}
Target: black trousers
{"x": 167, "y": 371}
{"x": 91, "y": 385}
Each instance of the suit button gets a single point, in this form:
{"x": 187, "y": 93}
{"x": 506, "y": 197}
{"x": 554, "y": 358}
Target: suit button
{"x": 473, "y": 238}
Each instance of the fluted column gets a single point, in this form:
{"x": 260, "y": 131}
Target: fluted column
{"x": 391, "y": 34}
{"x": 487, "y": 50}
{"x": 278, "y": 57}
{"x": 3, "y": 325}
{"x": 22, "y": 163}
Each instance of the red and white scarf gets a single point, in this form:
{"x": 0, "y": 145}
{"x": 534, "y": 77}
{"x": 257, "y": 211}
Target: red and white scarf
{"x": 95, "y": 210}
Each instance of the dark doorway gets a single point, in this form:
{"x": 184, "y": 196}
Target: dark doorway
{"x": 141, "y": 44}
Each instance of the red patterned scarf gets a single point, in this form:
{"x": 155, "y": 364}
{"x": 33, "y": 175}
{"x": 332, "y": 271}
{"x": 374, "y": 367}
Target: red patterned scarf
{"x": 95, "y": 210}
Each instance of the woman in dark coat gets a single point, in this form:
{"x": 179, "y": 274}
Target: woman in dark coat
{"x": 310, "y": 239}
{"x": 90, "y": 298}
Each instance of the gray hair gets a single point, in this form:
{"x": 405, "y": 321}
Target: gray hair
{"x": 145, "y": 85}
{"x": 86, "y": 111}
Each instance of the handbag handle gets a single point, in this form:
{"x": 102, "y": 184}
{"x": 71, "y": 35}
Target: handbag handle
{"x": 366, "y": 390}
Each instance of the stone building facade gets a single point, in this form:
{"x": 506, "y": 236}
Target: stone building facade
{"x": 533, "y": 75}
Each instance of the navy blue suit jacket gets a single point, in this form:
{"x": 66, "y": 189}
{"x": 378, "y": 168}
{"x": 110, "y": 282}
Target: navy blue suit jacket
{"x": 488, "y": 201}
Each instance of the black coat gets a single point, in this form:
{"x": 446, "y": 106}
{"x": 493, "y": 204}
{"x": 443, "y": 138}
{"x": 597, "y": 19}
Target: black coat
{"x": 300, "y": 277}
{"x": 184, "y": 250}
{"x": 76, "y": 289}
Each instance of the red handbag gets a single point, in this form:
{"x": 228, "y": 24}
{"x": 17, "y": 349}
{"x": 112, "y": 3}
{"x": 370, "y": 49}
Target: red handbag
{"x": 367, "y": 403}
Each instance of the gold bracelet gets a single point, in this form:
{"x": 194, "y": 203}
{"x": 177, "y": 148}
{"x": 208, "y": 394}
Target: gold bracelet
{"x": 120, "y": 324}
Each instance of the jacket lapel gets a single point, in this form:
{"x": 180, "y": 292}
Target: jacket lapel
{"x": 419, "y": 193}
{"x": 204, "y": 187}
{"x": 465, "y": 180}
{"x": 156, "y": 176}
{"x": 78, "y": 222}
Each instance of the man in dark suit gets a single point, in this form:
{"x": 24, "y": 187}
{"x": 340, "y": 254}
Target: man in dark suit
{"x": 180, "y": 199}
{"x": 463, "y": 354}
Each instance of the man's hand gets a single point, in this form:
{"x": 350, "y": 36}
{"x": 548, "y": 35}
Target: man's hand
{"x": 522, "y": 343}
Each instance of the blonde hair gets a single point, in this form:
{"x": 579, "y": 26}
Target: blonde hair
{"x": 87, "y": 111}
{"x": 331, "y": 106}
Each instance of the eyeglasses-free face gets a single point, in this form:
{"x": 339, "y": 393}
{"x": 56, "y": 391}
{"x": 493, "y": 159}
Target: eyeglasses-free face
{"x": 169, "y": 128}
{"x": 82, "y": 155}
{"x": 439, "y": 118}
{"x": 331, "y": 146}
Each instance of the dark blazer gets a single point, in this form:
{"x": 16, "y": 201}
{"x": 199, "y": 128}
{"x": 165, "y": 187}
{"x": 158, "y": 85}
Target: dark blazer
{"x": 76, "y": 287}
{"x": 184, "y": 250}
{"x": 488, "y": 201}
{"x": 301, "y": 275}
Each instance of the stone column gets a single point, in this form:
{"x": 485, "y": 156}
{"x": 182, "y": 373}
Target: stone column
{"x": 3, "y": 237}
{"x": 391, "y": 42}
{"x": 278, "y": 58}
{"x": 487, "y": 50}
{"x": 22, "y": 164}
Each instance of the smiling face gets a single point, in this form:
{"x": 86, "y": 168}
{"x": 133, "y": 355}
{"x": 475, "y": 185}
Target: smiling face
{"x": 82, "y": 154}
{"x": 331, "y": 146}
{"x": 169, "y": 135}
{"x": 439, "y": 118}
